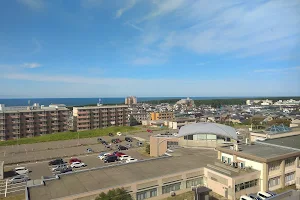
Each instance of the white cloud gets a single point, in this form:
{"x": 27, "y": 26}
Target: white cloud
{"x": 277, "y": 69}
{"x": 31, "y": 65}
{"x": 129, "y": 5}
{"x": 36, "y": 5}
{"x": 134, "y": 26}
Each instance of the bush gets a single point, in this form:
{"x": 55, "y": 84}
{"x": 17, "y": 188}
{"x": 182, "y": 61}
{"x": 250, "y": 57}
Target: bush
{"x": 147, "y": 148}
{"x": 115, "y": 194}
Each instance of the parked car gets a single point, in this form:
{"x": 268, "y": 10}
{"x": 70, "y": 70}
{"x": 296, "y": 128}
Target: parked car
{"x": 149, "y": 131}
{"x": 108, "y": 146}
{"x": 115, "y": 141}
{"x": 111, "y": 134}
{"x": 99, "y": 139}
{"x": 19, "y": 179}
{"x": 130, "y": 160}
{"x": 89, "y": 150}
{"x": 58, "y": 167}
{"x": 65, "y": 170}
{"x": 111, "y": 158}
{"x": 57, "y": 161}
{"x": 102, "y": 156}
{"x": 74, "y": 160}
{"x": 128, "y": 139}
{"x": 129, "y": 145}
{"x": 77, "y": 164}
{"x": 271, "y": 193}
{"x": 104, "y": 142}
{"x": 120, "y": 148}
{"x": 244, "y": 197}
{"x": 254, "y": 196}
{"x": 263, "y": 195}
{"x": 139, "y": 144}
{"x": 119, "y": 133}
{"x": 118, "y": 154}
{"x": 124, "y": 157}
{"x": 21, "y": 170}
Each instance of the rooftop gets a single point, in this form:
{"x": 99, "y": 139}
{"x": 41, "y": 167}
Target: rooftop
{"x": 291, "y": 141}
{"x": 261, "y": 152}
{"x": 97, "y": 107}
{"x": 76, "y": 183}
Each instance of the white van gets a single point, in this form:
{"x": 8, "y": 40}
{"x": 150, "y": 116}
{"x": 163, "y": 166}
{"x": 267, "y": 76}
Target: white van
{"x": 21, "y": 170}
{"x": 263, "y": 195}
{"x": 244, "y": 197}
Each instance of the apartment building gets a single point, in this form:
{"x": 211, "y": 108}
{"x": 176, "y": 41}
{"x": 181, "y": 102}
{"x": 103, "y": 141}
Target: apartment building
{"x": 93, "y": 117}
{"x": 162, "y": 115}
{"x": 29, "y": 121}
{"x": 130, "y": 100}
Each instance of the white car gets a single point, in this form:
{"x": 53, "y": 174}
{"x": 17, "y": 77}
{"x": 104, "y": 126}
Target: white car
{"x": 119, "y": 133}
{"x": 19, "y": 179}
{"x": 244, "y": 197}
{"x": 130, "y": 160}
{"x": 58, "y": 167}
{"x": 77, "y": 164}
{"x": 104, "y": 155}
{"x": 124, "y": 157}
{"x": 263, "y": 195}
{"x": 21, "y": 170}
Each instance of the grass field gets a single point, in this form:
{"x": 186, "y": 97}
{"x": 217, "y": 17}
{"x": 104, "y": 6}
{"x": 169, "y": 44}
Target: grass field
{"x": 70, "y": 135}
{"x": 15, "y": 197}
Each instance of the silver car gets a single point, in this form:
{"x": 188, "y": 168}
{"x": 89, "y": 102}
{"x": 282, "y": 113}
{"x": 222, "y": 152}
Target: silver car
{"x": 19, "y": 179}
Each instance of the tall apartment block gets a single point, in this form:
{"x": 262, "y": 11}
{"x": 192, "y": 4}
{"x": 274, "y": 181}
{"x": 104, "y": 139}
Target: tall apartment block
{"x": 130, "y": 100}
{"x": 93, "y": 117}
{"x": 29, "y": 121}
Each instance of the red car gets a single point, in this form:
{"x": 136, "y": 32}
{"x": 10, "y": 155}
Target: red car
{"x": 74, "y": 160}
{"x": 149, "y": 131}
{"x": 119, "y": 154}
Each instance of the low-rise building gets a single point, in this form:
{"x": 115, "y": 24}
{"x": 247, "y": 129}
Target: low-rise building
{"x": 29, "y": 121}
{"x": 179, "y": 122}
{"x": 162, "y": 115}
{"x": 140, "y": 116}
{"x": 94, "y": 117}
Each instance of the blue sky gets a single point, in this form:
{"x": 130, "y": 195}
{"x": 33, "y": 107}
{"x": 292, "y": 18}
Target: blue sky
{"x": 115, "y": 48}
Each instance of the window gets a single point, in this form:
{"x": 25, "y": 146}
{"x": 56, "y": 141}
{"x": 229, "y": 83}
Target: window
{"x": 274, "y": 181}
{"x": 290, "y": 177}
{"x": 171, "y": 187}
{"x": 194, "y": 182}
{"x": 274, "y": 166}
{"x": 246, "y": 185}
{"x": 188, "y": 137}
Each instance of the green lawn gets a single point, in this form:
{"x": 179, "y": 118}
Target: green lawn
{"x": 70, "y": 135}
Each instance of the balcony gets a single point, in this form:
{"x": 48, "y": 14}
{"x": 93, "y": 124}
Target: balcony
{"x": 83, "y": 112}
{"x": 29, "y": 126}
{"x": 83, "y": 121}
{"x": 43, "y": 129}
{"x": 42, "y": 115}
{"x": 16, "y": 133}
{"x": 29, "y": 121}
{"x": 2, "y": 128}
{"x": 28, "y": 115}
{"x": 16, "y": 127}
{"x": 105, "y": 115}
{"x": 54, "y": 124}
{"x": 2, "y": 133}
{"x": 2, "y": 117}
{"x": 54, "y": 118}
{"x": 83, "y": 126}
{"x": 14, "y": 121}
{"x": 95, "y": 111}
{"x": 2, "y": 122}
{"x": 15, "y": 116}
{"x": 43, "y": 119}
{"x": 55, "y": 128}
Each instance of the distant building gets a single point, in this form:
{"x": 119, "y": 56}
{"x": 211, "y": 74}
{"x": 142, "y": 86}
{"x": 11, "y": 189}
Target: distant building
{"x": 187, "y": 101}
{"x": 29, "y": 121}
{"x": 162, "y": 115}
{"x": 94, "y": 117}
{"x": 140, "y": 116}
{"x": 131, "y": 100}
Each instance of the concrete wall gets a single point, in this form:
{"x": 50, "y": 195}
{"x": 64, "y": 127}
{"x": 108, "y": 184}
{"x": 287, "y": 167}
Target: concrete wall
{"x": 199, "y": 143}
{"x": 159, "y": 144}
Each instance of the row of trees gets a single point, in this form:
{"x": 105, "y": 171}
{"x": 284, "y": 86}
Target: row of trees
{"x": 115, "y": 194}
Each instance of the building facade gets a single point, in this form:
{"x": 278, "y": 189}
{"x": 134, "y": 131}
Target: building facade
{"x": 29, "y": 121}
{"x": 139, "y": 117}
{"x": 162, "y": 115}
{"x": 131, "y": 100}
{"x": 94, "y": 117}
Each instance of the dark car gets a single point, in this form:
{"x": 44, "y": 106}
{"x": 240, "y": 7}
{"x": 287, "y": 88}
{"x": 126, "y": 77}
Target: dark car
{"x": 65, "y": 170}
{"x": 99, "y": 139}
{"x": 111, "y": 158}
{"x": 104, "y": 142}
{"x": 57, "y": 161}
{"x": 111, "y": 134}
{"x": 139, "y": 144}
{"x": 122, "y": 148}
{"x": 115, "y": 141}
{"x": 128, "y": 139}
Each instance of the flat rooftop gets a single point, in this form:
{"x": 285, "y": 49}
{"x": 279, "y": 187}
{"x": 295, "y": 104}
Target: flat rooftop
{"x": 260, "y": 152}
{"x": 115, "y": 176}
{"x": 98, "y": 107}
{"x": 291, "y": 141}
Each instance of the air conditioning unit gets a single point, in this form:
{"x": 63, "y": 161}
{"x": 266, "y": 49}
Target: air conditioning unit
{"x": 172, "y": 193}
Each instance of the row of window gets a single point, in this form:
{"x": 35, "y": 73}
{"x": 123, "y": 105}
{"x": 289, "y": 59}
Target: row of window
{"x": 276, "y": 165}
{"x": 246, "y": 185}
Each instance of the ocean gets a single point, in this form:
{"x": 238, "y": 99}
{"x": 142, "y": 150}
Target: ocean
{"x": 86, "y": 101}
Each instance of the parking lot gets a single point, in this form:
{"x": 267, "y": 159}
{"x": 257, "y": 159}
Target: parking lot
{"x": 50, "y": 150}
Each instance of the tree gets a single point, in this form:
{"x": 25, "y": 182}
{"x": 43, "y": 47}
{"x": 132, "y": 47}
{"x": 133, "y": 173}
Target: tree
{"x": 147, "y": 148}
{"x": 133, "y": 121}
{"x": 115, "y": 194}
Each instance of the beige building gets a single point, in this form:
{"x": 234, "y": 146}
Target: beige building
{"x": 131, "y": 100}
{"x": 29, "y": 121}
{"x": 178, "y": 123}
{"x": 93, "y": 117}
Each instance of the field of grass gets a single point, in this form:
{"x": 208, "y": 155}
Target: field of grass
{"x": 70, "y": 135}
{"x": 15, "y": 197}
